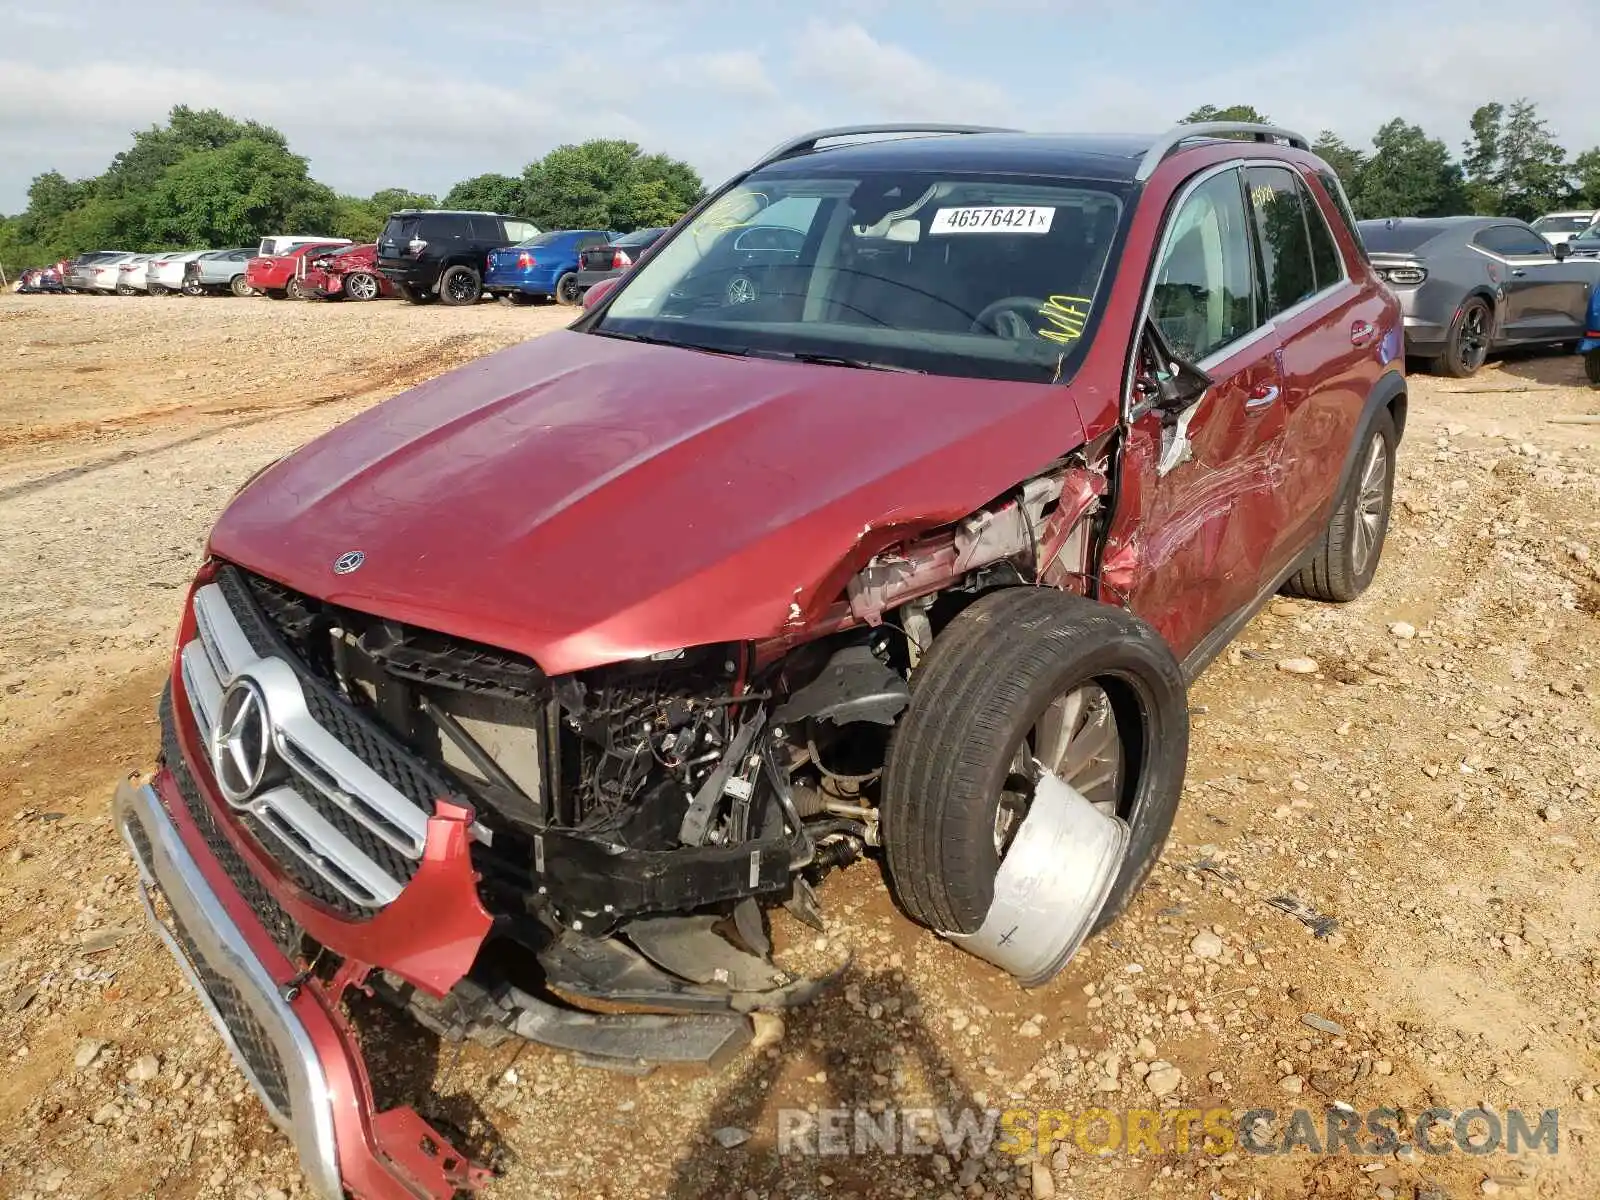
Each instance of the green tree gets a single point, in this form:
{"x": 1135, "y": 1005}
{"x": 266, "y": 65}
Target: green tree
{"x": 1480, "y": 159}
{"x": 237, "y": 193}
{"x": 1513, "y": 166}
{"x": 1586, "y": 172}
{"x": 1344, "y": 158}
{"x": 608, "y": 184}
{"x": 488, "y": 193}
{"x": 1234, "y": 112}
{"x": 187, "y": 131}
{"x": 1409, "y": 175}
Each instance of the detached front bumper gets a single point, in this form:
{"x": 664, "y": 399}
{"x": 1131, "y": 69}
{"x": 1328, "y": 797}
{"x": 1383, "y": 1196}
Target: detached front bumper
{"x": 285, "y": 1032}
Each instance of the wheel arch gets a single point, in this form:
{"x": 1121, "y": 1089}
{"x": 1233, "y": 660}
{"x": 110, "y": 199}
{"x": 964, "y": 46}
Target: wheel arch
{"x": 1388, "y": 393}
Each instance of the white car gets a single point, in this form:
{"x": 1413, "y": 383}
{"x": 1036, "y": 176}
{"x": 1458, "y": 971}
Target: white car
{"x": 131, "y": 274}
{"x": 165, "y": 272}
{"x": 103, "y": 274}
{"x": 1558, "y": 227}
{"x": 284, "y": 243}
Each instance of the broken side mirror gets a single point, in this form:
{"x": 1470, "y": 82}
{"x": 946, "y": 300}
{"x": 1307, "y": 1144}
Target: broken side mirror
{"x": 1164, "y": 381}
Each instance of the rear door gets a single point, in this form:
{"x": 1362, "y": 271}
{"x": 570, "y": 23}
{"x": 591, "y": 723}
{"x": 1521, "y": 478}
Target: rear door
{"x": 1545, "y": 298}
{"x": 1329, "y": 347}
{"x": 1199, "y": 513}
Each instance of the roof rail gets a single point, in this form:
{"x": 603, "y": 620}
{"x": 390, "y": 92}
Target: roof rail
{"x": 1168, "y": 142}
{"x": 808, "y": 141}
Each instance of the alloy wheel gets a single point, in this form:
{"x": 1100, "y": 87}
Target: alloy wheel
{"x": 361, "y": 287}
{"x": 1371, "y": 496}
{"x": 1076, "y": 739}
{"x": 1473, "y": 337}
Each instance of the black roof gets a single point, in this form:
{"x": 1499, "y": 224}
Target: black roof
{"x": 1111, "y": 157}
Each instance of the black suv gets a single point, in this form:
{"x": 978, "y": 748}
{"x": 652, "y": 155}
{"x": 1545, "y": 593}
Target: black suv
{"x": 439, "y": 253}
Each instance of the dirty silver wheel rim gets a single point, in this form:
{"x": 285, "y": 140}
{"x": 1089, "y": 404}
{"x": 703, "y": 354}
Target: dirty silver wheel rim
{"x": 1076, "y": 739}
{"x": 1369, "y": 503}
{"x": 741, "y": 290}
{"x": 362, "y": 287}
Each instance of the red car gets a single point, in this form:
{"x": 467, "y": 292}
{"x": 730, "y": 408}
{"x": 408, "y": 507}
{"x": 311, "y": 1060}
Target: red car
{"x": 350, "y": 274}
{"x": 886, "y": 509}
{"x": 275, "y": 275}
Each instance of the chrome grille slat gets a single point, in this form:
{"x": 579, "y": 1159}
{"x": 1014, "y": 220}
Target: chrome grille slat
{"x": 323, "y": 768}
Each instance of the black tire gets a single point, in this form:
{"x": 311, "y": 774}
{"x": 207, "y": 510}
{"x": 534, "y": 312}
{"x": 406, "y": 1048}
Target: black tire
{"x": 520, "y": 299}
{"x": 293, "y": 290}
{"x": 127, "y": 289}
{"x": 1466, "y": 348}
{"x": 460, "y": 286}
{"x": 158, "y": 289}
{"x": 1591, "y": 366}
{"x": 984, "y": 684}
{"x": 239, "y": 287}
{"x": 1347, "y": 556}
{"x": 416, "y": 295}
{"x": 567, "y": 290}
{"x": 193, "y": 287}
{"x": 361, "y": 286}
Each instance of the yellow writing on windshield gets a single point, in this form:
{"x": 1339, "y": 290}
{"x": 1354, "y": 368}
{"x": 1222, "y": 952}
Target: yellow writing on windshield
{"x": 1064, "y": 318}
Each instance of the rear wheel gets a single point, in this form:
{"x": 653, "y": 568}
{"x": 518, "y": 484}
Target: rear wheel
{"x": 127, "y": 289}
{"x": 416, "y": 295}
{"x": 460, "y": 285}
{"x": 193, "y": 287}
{"x": 157, "y": 289}
{"x": 239, "y": 287}
{"x": 295, "y": 291}
{"x": 1347, "y": 557}
{"x": 1023, "y": 678}
{"x": 361, "y": 286}
{"x": 1591, "y": 366}
{"x": 1466, "y": 348}
{"x": 567, "y": 289}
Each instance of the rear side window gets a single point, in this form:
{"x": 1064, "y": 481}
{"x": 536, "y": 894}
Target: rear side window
{"x": 487, "y": 229}
{"x": 1204, "y": 298}
{"x": 1511, "y": 240}
{"x": 1289, "y": 276}
{"x": 517, "y": 231}
{"x": 1341, "y": 205}
{"x": 1324, "y": 252}
{"x": 400, "y": 230}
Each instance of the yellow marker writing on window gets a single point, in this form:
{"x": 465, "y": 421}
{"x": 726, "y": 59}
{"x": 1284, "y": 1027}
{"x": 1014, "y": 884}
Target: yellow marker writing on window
{"x": 1064, "y": 318}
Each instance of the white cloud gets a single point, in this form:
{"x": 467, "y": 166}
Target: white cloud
{"x": 891, "y": 80}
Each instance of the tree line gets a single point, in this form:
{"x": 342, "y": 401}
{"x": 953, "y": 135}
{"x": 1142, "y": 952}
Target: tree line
{"x": 207, "y": 179}
{"x": 1510, "y": 166}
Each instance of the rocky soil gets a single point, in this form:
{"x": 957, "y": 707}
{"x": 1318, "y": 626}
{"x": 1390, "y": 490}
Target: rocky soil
{"x": 1380, "y": 892}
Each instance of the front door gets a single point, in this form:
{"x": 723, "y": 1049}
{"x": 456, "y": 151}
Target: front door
{"x": 1200, "y": 505}
{"x": 1545, "y": 298}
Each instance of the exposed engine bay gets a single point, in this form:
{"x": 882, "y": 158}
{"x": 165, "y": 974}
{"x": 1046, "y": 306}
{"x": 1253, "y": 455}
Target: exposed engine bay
{"x": 636, "y": 822}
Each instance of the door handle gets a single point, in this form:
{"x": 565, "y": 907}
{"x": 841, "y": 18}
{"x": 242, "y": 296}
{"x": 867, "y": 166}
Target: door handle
{"x": 1520, "y": 273}
{"x": 1263, "y": 396}
{"x": 1361, "y": 332}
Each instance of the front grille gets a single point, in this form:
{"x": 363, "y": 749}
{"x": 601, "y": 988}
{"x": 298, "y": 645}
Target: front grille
{"x": 255, "y": 1046}
{"x": 280, "y": 926}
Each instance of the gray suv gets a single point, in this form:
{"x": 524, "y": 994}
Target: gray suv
{"x": 218, "y": 271}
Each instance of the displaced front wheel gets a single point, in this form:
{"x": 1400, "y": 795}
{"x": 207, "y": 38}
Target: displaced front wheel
{"x": 1347, "y": 557}
{"x": 1028, "y": 680}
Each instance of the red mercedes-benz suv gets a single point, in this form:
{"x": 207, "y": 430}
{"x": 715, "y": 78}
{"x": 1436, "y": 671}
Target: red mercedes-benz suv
{"x": 886, "y": 507}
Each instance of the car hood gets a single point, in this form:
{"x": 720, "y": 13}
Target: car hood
{"x": 583, "y": 499}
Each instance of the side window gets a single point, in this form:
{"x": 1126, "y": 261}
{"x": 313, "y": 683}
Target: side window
{"x": 1285, "y": 247}
{"x": 487, "y": 229}
{"x": 1324, "y": 251}
{"x": 444, "y": 225}
{"x": 1203, "y": 297}
{"x": 1341, "y": 205}
{"x": 1512, "y": 240}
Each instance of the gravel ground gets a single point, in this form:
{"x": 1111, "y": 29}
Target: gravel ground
{"x": 1428, "y": 779}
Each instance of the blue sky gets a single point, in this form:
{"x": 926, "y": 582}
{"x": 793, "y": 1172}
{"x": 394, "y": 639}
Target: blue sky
{"x": 412, "y": 94}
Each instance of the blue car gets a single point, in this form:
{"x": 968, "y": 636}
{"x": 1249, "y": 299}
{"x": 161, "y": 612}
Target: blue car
{"x": 1589, "y": 347}
{"x": 543, "y": 267}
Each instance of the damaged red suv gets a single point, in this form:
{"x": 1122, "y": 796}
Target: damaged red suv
{"x": 899, "y": 492}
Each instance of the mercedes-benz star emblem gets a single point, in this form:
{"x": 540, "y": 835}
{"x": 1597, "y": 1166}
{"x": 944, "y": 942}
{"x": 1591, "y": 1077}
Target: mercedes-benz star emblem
{"x": 241, "y": 743}
{"x": 350, "y": 560}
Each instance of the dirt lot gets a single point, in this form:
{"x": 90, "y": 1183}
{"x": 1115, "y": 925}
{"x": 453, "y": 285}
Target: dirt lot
{"x": 1431, "y": 786}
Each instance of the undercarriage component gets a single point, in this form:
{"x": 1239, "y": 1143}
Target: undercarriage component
{"x": 710, "y": 1039}
{"x": 856, "y": 685}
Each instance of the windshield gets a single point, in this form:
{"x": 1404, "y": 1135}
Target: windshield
{"x": 639, "y": 237}
{"x": 1564, "y": 224}
{"x": 954, "y": 274}
{"x": 1591, "y": 234}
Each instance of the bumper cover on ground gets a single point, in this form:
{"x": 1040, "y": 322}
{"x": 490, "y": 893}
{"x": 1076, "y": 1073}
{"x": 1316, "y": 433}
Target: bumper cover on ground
{"x": 285, "y": 1032}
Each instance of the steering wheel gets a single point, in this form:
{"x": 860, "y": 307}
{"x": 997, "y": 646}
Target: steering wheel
{"x": 1010, "y": 317}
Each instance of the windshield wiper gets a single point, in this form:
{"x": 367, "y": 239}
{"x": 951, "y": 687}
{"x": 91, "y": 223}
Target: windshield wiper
{"x": 657, "y": 341}
{"x": 834, "y": 360}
